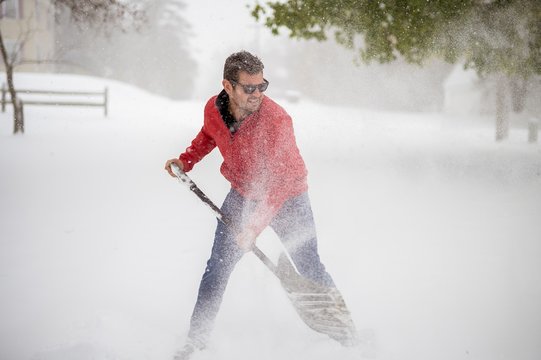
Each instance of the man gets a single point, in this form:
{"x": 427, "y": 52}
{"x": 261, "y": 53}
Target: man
{"x": 268, "y": 185}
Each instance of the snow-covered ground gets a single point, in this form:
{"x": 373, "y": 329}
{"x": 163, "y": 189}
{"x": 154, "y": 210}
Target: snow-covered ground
{"x": 430, "y": 228}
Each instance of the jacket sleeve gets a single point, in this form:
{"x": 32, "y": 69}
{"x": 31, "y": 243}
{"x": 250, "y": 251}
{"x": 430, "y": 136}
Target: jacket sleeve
{"x": 200, "y": 147}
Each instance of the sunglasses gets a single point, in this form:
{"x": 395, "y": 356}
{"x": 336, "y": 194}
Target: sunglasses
{"x": 250, "y": 89}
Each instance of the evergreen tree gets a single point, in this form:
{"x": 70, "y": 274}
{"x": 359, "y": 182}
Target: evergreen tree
{"x": 497, "y": 38}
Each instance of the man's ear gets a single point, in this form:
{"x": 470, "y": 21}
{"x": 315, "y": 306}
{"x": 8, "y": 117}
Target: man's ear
{"x": 228, "y": 87}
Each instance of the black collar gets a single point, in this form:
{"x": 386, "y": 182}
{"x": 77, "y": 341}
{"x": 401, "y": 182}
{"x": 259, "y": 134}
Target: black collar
{"x": 222, "y": 103}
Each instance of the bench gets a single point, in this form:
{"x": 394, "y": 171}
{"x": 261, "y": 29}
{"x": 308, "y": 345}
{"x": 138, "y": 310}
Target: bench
{"x": 96, "y": 98}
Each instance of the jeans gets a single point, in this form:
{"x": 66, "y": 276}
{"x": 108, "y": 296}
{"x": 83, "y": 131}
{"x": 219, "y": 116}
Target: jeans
{"x": 294, "y": 225}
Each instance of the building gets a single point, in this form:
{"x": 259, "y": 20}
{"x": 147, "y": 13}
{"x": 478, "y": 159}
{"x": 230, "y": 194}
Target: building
{"x": 27, "y": 28}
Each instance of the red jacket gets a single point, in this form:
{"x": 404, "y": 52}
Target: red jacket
{"x": 261, "y": 160}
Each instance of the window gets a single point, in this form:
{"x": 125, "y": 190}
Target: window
{"x": 11, "y": 9}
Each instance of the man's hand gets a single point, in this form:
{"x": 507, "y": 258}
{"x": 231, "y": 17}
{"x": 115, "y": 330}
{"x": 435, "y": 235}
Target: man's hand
{"x": 173, "y": 161}
{"x": 246, "y": 239}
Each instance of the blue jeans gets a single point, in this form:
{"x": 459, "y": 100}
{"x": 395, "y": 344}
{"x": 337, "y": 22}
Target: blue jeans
{"x": 294, "y": 225}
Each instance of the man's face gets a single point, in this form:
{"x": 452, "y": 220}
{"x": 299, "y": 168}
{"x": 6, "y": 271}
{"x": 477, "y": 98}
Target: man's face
{"x": 246, "y": 103}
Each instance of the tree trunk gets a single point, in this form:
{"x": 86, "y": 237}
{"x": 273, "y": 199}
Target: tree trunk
{"x": 533, "y": 130}
{"x": 502, "y": 110}
{"x": 18, "y": 122}
{"x": 518, "y": 87}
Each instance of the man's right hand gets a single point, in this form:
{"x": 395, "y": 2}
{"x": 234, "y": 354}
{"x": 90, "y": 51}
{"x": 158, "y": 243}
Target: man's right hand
{"x": 173, "y": 161}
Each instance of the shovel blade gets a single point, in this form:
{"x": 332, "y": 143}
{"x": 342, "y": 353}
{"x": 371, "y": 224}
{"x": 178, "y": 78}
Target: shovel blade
{"x": 321, "y": 308}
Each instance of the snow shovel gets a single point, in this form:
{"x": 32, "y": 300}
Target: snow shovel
{"x": 322, "y": 308}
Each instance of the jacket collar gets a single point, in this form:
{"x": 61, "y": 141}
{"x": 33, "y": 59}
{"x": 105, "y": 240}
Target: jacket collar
{"x": 222, "y": 103}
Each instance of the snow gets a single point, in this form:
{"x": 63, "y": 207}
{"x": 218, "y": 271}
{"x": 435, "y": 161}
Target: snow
{"x": 429, "y": 227}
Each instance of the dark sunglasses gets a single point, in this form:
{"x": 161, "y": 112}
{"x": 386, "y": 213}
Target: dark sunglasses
{"x": 250, "y": 89}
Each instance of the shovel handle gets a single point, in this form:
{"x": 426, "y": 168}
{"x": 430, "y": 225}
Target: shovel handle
{"x": 185, "y": 179}
{"x": 265, "y": 259}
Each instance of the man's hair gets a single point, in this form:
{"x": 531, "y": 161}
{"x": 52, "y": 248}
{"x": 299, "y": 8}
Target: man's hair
{"x": 241, "y": 61}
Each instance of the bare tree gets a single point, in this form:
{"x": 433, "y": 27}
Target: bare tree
{"x": 9, "y": 60}
{"x": 155, "y": 58}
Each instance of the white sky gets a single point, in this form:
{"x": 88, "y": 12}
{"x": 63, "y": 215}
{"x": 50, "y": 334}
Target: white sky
{"x": 220, "y": 28}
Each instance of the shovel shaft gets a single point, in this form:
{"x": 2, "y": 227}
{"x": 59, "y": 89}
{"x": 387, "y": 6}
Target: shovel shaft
{"x": 265, "y": 259}
{"x": 185, "y": 179}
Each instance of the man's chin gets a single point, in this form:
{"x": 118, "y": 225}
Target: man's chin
{"x": 253, "y": 105}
